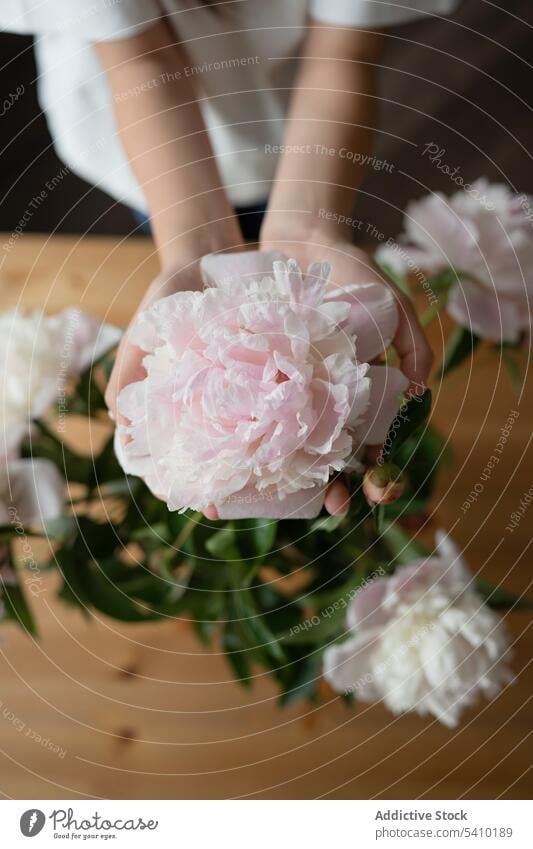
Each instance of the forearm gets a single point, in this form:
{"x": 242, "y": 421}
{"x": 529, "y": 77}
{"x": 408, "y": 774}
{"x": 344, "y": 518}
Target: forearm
{"x": 164, "y": 136}
{"x": 330, "y": 119}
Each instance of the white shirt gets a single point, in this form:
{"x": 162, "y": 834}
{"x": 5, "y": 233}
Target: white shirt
{"x": 242, "y": 56}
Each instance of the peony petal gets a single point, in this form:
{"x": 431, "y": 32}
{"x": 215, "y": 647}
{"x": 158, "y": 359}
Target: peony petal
{"x": 366, "y": 609}
{"x": 386, "y": 388}
{"x": 37, "y": 490}
{"x": 394, "y": 256}
{"x": 249, "y": 503}
{"x": 220, "y": 269}
{"x": 448, "y": 240}
{"x": 85, "y": 339}
{"x": 373, "y": 316}
{"x": 346, "y": 668}
{"x": 454, "y": 566}
{"x": 484, "y": 313}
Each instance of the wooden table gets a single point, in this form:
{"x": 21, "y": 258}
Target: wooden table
{"x": 97, "y": 709}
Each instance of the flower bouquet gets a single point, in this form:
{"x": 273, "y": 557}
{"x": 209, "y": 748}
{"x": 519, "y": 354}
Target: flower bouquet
{"x": 259, "y": 390}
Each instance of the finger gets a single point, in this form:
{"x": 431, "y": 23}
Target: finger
{"x": 416, "y": 356}
{"x": 372, "y": 453}
{"x": 128, "y": 369}
{"x": 337, "y": 499}
{"x": 211, "y": 512}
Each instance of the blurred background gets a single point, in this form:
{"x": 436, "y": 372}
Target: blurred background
{"x": 472, "y": 98}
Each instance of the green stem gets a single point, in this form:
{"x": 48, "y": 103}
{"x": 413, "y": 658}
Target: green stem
{"x": 188, "y": 529}
{"x": 432, "y": 312}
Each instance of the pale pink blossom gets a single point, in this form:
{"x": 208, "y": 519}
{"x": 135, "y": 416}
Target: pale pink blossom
{"x": 422, "y": 640}
{"x": 255, "y": 390}
{"x": 486, "y": 236}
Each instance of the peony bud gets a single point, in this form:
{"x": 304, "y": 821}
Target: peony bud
{"x": 383, "y": 484}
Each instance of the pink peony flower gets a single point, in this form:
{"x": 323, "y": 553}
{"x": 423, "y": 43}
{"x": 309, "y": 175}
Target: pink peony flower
{"x": 422, "y": 640}
{"x": 486, "y": 236}
{"x": 255, "y": 390}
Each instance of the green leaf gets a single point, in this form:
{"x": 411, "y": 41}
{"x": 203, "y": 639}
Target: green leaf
{"x": 401, "y": 281}
{"x": 328, "y": 623}
{"x": 378, "y": 512}
{"x": 501, "y": 599}
{"x": 17, "y": 608}
{"x": 432, "y": 311}
{"x": 87, "y": 398}
{"x": 327, "y": 523}
{"x": 113, "y": 600}
{"x": 151, "y": 538}
{"x": 204, "y": 630}
{"x": 402, "y": 548}
{"x": 412, "y": 415}
{"x": 443, "y": 281}
{"x": 421, "y": 457}
{"x": 106, "y": 466}
{"x": 237, "y": 657}
{"x": 302, "y": 682}
{"x": 264, "y": 534}
{"x": 95, "y": 539}
{"x": 321, "y": 599}
{"x": 461, "y": 345}
{"x": 62, "y": 526}
{"x": 177, "y": 584}
{"x": 73, "y": 589}
{"x": 221, "y": 544}
{"x": 252, "y": 624}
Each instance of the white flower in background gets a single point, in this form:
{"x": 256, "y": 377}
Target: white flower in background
{"x": 31, "y": 492}
{"x": 486, "y": 236}
{"x": 38, "y": 353}
{"x": 423, "y": 640}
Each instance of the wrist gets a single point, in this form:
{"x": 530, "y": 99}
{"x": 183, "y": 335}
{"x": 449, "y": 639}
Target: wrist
{"x": 320, "y": 229}
{"x": 186, "y": 249}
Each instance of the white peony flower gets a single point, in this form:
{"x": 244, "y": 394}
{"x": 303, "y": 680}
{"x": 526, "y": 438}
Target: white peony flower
{"x": 423, "y": 640}
{"x": 31, "y": 492}
{"x": 38, "y": 354}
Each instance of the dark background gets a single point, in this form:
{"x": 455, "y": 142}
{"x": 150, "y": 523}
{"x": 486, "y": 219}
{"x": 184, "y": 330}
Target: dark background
{"x": 464, "y": 84}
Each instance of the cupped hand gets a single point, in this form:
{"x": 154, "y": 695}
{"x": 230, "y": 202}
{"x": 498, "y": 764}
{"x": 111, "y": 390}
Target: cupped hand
{"x": 350, "y": 264}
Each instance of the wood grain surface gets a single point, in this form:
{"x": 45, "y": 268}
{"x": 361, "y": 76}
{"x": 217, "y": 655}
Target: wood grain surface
{"x": 97, "y": 709}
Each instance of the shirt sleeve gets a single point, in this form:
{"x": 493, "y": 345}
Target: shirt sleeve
{"x": 377, "y": 13}
{"x": 90, "y": 20}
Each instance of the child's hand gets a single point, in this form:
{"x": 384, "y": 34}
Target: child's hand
{"x": 352, "y": 265}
